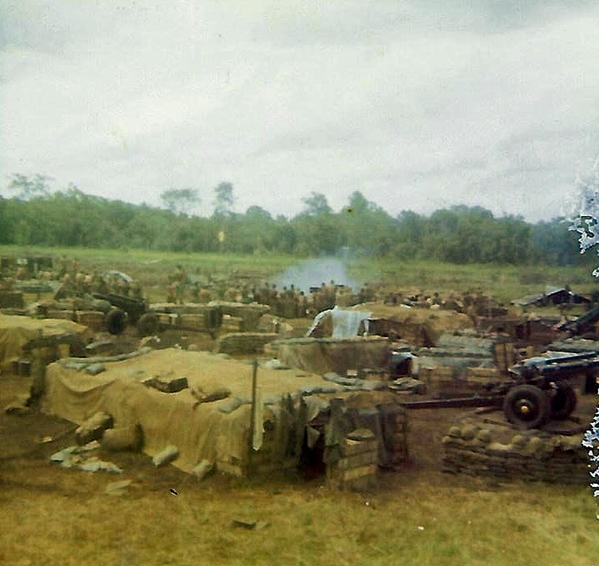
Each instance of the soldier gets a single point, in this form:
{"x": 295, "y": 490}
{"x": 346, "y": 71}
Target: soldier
{"x": 302, "y": 305}
{"x": 195, "y": 292}
{"x": 180, "y": 282}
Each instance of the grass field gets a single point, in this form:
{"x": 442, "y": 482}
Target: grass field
{"x": 417, "y": 515}
{"x": 505, "y": 283}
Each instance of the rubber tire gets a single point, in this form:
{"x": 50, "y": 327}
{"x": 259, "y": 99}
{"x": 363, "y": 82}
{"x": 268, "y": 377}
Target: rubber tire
{"x": 563, "y": 402}
{"x": 148, "y": 324}
{"x": 116, "y": 321}
{"x": 526, "y": 406}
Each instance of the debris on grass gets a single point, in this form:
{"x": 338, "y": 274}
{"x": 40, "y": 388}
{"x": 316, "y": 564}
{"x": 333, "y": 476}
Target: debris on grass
{"x": 78, "y": 457}
{"x": 249, "y": 525}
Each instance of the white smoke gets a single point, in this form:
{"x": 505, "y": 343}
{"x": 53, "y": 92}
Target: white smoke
{"x": 314, "y": 272}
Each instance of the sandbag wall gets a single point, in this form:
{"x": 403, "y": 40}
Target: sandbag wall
{"x": 244, "y": 342}
{"x": 479, "y": 449}
{"x": 464, "y": 362}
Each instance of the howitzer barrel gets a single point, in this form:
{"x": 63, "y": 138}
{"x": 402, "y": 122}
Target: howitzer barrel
{"x": 133, "y": 307}
{"x": 476, "y": 401}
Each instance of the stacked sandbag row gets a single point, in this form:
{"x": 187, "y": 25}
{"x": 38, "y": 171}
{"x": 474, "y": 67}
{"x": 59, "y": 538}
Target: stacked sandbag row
{"x": 244, "y": 342}
{"x": 356, "y": 468}
{"x": 100, "y": 426}
{"x": 528, "y": 455}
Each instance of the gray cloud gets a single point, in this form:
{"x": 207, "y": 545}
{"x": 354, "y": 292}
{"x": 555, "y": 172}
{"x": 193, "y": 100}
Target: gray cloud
{"x": 416, "y": 104}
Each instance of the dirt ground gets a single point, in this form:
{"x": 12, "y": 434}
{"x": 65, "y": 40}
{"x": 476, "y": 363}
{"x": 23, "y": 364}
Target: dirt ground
{"x": 27, "y": 440}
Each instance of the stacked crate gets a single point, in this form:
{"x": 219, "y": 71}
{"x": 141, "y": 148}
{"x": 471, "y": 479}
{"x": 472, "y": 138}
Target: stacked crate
{"x": 196, "y": 321}
{"x": 397, "y": 437}
{"x": 91, "y": 319}
{"x": 437, "y": 378}
{"x": 479, "y": 377}
{"x": 61, "y": 314}
{"x": 232, "y": 323}
{"x": 356, "y": 469}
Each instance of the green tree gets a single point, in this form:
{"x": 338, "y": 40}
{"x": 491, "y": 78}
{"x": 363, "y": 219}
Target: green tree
{"x": 26, "y": 188}
{"x": 316, "y": 204}
{"x": 223, "y": 199}
{"x": 181, "y": 201}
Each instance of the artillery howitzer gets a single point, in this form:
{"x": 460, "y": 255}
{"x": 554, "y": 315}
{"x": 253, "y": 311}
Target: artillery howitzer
{"x": 539, "y": 389}
{"x": 137, "y": 312}
{"x": 584, "y": 323}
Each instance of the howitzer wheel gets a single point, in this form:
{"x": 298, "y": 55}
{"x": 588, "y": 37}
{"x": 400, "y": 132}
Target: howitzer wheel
{"x": 563, "y": 402}
{"x": 526, "y": 406}
{"x": 116, "y": 321}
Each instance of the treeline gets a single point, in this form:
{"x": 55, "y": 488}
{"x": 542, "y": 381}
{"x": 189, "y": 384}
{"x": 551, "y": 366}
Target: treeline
{"x": 458, "y": 234}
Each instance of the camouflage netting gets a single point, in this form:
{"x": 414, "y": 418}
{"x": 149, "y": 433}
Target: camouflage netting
{"x": 17, "y": 331}
{"x": 323, "y": 355}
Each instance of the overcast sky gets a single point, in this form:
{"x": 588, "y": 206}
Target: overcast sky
{"x": 418, "y": 104}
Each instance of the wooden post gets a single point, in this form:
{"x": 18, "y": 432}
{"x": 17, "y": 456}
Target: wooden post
{"x": 252, "y": 418}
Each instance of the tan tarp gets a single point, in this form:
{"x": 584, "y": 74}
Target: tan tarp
{"x": 322, "y": 355}
{"x": 412, "y": 319}
{"x": 201, "y": 431}
{"x": 16, "y": 331}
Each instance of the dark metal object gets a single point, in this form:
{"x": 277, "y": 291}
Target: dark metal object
{"x": 584, "y": 323}
{"x": 538, "y": 391}
{"x": 134, "y": 308}
{"x": 138, "y": 313}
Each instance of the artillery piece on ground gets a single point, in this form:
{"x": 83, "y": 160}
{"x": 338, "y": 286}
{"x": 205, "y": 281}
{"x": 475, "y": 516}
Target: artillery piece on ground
{"x": 537, "y": 389}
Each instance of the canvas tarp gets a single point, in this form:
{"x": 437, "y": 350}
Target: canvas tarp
{"x": 322, "y": 355}
{"x": 345, "y": 323}
{"x": 413, "y": 320}
{"x": 201, "y": 431}
{"x": 17, "y": 331}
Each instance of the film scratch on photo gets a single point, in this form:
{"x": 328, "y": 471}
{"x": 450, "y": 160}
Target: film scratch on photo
{"x": 587, "y": 185}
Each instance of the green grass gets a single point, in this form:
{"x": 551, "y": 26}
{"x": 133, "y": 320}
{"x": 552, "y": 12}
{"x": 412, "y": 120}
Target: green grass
{"x": 504, "y": 282}
{"x": 408, "y": 521}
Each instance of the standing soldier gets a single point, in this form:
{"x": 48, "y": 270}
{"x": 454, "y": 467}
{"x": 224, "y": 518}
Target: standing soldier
{"x": 195, "y": 291}
{"x": 180, "y": 280}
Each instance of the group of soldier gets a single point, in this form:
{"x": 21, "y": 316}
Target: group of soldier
{"x": 286, "y": 302}
{"x": 472, "y": 303}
